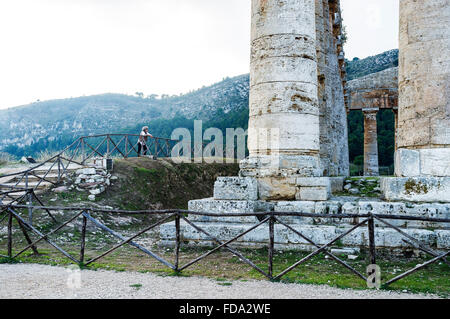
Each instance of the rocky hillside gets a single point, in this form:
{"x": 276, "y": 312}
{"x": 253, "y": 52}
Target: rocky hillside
{"x": 27, "y": 129}
{"x": 52, "y": 125}
{"x": 361, "y": 67}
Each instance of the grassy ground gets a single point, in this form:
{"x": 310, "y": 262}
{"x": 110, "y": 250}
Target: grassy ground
{"x": 224, "y": 267}
{"x": 146, "y": 184}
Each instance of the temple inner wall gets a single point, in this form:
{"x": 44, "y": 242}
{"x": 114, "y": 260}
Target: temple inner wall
{"x": 334, "y": 153}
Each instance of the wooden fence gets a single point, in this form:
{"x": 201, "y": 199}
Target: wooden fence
{"x": 11, "y": 212}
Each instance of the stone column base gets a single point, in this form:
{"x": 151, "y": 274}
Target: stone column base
{"x": 416, "y": 189}
{"x": 273, "y": 188}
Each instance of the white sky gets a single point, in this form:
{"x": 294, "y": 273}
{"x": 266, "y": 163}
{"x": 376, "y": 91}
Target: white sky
{"x": 67, "y": 48}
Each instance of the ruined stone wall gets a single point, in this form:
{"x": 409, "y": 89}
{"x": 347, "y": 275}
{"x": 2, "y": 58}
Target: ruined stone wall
{"x": 334, "y": 153}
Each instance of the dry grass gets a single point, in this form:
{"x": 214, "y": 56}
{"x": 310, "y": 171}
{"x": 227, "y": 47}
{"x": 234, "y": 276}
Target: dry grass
{"x": 6, "y": 158}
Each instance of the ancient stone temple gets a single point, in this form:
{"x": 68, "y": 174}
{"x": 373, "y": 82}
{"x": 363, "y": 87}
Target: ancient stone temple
{"x": 422, "y": 160}
{"x": 298, "y": 132}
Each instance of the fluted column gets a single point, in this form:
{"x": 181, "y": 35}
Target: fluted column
{"x": 371, "y": 167}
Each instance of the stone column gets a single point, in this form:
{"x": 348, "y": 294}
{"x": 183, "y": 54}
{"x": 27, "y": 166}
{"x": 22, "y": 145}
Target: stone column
{"x": 424, "y": 88}
{"x": 284, "y": 128}
{"x": 422, "y": 161}
{"x": 370, "y": 142}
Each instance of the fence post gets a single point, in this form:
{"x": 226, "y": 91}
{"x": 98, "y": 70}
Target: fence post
{"x": 178, "y": 241}
{"x": 126, "y": 146}
{"x": 10, "y": 239}
{"x": 372, "y": 247}
{"x": 83, "y": 155}
{"x": 167, "y": 149}
{"x": 271, "y": 245}
{"x": 83, "y": 239}
{"x": 107, "y": 146}
{"x": 59, "y": 169}
{"x": 29, "y": 200}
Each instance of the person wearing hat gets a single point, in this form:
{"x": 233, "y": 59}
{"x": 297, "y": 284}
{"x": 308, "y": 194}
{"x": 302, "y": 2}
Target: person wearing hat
{"x": 143, "y": 138}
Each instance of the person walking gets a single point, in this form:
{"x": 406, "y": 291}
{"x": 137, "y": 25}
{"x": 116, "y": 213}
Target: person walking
{"x": 143, "y": 138}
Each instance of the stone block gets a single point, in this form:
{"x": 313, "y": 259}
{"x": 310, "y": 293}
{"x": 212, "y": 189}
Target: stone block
{"x": 313, "y": 188}
{"x": 387, "y": 237}
{"x": 443, "y": 239}
{"x": 416, "y": 189}
{"x": 337, "y": 184}
{"x": 314, "y": 182}
{"x": 313, "y": 194}
{"x": 212, "y": 206}
{"x": 295, "y": 207}
{"x": 345, "y": 251}
{"x": 86, "y": 171}
{"x": 276, "y": 189}
{"x": 435, "y": 162}
{"x": 236, "y": 188}
{"x": 407, "y": 163}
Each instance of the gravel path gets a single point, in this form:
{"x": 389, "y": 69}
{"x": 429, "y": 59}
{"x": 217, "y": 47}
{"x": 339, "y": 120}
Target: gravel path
{"x": 41, "y": 281}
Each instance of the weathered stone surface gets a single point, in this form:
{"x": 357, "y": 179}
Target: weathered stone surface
{"x": 86, "y": 171}
{"x": 61, "y": 189}
{"x": 313, "y": 188}
{"x": 284, "y": 126}
{"x": 422, "y": 162}
{"x": 416, "y": 189}
{"x": 314, "y": 182}
{"x": 313, "y": 193}
{"x": 321, "y": 235}
{"x": 272, "y": 188}
{"x": 333, "y": 118}
{"x": 236, "y": 188}
{"x": 337, "y": 184}
{"x": 321, "y": 230}
{"x": 210, "y": 205}
{"x": 407, "y": 163}
{"x": 424, "y": 77}
{"x": 443, "y": 239}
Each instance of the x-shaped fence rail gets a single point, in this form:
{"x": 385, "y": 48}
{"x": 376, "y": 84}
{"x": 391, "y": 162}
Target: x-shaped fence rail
{"x": 271, "y": 218}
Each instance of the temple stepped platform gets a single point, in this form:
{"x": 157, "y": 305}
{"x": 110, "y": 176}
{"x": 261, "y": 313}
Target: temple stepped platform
{"x": 320, "y": 230}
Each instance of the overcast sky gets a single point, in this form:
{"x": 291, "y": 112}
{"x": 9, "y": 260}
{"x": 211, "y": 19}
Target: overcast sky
{"x": 68, "y": 48}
